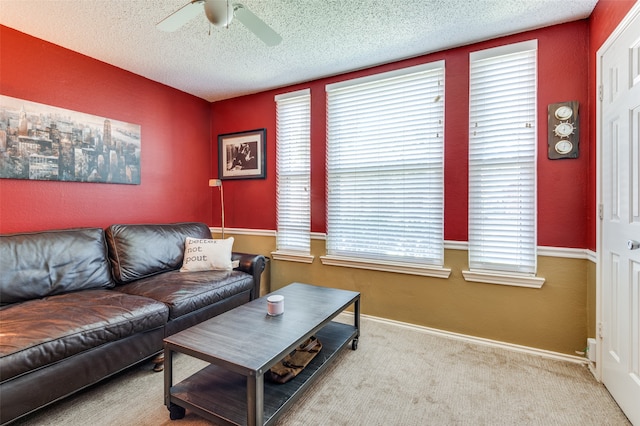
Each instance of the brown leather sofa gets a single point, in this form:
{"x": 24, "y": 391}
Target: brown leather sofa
{"x": 79, "y": 305}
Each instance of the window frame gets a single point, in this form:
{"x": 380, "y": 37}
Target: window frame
{"x": 482, "y": 163}
{"x": 293, "y": 141}
{"x": 402, "y": 264}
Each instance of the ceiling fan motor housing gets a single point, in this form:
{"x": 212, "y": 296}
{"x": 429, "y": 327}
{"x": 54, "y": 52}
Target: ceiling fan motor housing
{"x": 219, "y": 12}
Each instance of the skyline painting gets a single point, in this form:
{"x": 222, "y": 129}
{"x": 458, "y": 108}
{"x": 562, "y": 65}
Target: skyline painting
{"x": 43, "y": 142}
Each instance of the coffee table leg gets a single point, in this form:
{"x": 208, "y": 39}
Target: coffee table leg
{"x": 175, "y": 411}
{"x": 255, "y": 400}
{"x": 168, "y": 376}
{"x": 356, "y": 323}
{"x": 356, "y": 309}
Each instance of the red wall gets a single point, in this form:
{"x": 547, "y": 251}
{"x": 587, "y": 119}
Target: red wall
{"x": 562, "y": 184}
{"x": 175, "y": 131}
{"x": 178, "y": 157}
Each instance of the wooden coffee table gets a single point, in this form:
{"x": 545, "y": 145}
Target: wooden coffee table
{"x": 241, "y": 345}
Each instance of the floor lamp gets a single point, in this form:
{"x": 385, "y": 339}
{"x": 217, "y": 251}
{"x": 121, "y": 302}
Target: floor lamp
{"x": 218, "y": 183}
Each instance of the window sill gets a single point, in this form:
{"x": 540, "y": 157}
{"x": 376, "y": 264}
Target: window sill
{"x": 503, "y": 279}
{"x": 292, "y": 256}
{"x": 387, "y": 266}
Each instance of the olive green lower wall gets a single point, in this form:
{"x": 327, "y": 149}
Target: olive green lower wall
{"x": 558, "y": 317}
{"x": 256, "y": 245}
{"x": 591, "y": 299}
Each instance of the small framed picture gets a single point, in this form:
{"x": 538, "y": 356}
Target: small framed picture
{"x": 241, "y": 155}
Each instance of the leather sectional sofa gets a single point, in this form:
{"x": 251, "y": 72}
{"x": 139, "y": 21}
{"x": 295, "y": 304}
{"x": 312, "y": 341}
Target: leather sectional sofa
{"x": 79, "y": 305}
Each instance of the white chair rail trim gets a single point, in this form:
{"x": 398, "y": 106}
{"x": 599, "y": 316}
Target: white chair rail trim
{"x": 569, "y": 253}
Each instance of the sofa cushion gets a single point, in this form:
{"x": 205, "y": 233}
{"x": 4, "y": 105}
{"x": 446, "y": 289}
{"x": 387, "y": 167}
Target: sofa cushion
{"x": 186, "y": 292}
{"x": 40, "y": 332}
{"x": 41, "y": 264}
{"x": 139, "y": 251}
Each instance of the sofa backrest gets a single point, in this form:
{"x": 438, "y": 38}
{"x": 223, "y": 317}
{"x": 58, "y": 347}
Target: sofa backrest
{"x": 40, "y": 264}
{"x": 138, "y": 251}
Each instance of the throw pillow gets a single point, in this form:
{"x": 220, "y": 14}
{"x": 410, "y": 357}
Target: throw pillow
{"x": 207, "y": 255}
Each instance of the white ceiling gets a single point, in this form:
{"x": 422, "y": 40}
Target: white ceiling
{"x": 320, "y": 37}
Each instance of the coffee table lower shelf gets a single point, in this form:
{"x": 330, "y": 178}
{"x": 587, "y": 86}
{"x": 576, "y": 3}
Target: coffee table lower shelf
{"x": 221, "y": 395}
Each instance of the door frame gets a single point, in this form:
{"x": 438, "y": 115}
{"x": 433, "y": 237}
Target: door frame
{"x": 620, "y": 28}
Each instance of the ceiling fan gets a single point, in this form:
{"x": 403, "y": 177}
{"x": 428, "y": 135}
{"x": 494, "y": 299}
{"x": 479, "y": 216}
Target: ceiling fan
{"x": 220, "y": 13}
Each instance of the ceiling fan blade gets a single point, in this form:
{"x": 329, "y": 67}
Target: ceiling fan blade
{"x": 180, "y": 16}
{"x": 256, "y": 25}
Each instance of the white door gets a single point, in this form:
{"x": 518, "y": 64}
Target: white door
{"x": 620, "y": 227}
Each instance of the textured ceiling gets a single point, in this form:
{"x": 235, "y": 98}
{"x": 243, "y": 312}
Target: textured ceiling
{"x": 320, "y": 37}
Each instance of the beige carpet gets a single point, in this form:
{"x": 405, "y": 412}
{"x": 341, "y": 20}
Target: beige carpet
{"x": 398, "y": 376}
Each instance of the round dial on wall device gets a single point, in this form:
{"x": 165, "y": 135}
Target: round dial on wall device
{"x": 563, "y": 113}
{"x": 563, "y": 147}
{"x": 563, "y": 129}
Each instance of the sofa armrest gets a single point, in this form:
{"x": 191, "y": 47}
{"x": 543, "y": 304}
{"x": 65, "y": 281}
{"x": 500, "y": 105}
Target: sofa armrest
{"x": 252, "y": 264}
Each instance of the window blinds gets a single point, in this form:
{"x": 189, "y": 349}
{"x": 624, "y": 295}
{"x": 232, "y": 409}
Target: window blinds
{"x": 502, "y": 159}
{"x": 293, "y": 171}
{"x": 385, "y": 153}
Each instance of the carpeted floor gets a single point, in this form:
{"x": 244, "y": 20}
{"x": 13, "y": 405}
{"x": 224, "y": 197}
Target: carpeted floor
{"x": 398, "y": 376}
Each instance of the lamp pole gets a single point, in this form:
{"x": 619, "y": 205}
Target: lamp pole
{"x": 218, "y": 183}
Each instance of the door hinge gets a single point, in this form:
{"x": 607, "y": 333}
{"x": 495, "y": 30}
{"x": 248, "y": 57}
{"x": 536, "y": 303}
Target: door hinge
{"x": 600, "y": 334}
{"x": 600, "y": 93}
{"x": 600, "y": 211}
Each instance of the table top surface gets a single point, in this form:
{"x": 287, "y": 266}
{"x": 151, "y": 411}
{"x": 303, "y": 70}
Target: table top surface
{"x": 248, "y": 338}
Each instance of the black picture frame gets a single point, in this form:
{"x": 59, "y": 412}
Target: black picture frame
{"x": 242, "y": 155}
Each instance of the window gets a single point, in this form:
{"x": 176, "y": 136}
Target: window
{"x": 385, "y": 168}
{"x": 293, "y": 171}
{"x": 502, "y": 163}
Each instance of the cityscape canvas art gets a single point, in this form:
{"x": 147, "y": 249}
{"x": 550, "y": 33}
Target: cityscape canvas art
{"x": 43, "y": 142}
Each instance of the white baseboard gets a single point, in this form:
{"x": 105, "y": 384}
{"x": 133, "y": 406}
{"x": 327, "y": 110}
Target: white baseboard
{"x": 593, "y": 370}
{"x": 474, "y": 339}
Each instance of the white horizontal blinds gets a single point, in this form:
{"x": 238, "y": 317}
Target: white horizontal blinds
{"x": 502, "y": 159}
{"x": 385, "y": 166}
{"x": 293, "y": 171}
